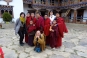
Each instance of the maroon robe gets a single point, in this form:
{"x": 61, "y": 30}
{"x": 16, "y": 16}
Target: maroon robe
{"x": 31, "y": 33}
{"x": 54, "y": 36}
{"x": 46, "y": 29}
{"x": 62, "y": 29}
{"x": 26, "y": 35}
{"x": 40, "y": 24}
{"x": 27, "y": 23}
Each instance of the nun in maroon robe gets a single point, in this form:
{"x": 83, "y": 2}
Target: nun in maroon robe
{"x": 46, "y": 28}
{"x": 62, "y": 29}
{"x": 53, "y": 34}
{"x": 39, "y": 22}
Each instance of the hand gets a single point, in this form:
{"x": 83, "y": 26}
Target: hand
{"x": 52, "y": 30}
{"x": 33, "y": 24}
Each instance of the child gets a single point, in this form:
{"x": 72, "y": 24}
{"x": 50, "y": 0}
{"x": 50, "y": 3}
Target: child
{"x": 39, "y": 42}
{"x": 1, "y": 53}
{"x": 31, "y": 33}
{"x": 53, "y": 34}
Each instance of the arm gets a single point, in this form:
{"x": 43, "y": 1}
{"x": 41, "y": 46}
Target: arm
{"x": 41, "y": 40}
{"x": 16, "y": 23}
{"x": 34, "y": 41}
{"x": 42, "y": 24}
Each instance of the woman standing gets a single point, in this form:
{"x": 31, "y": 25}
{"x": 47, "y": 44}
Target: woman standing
{"x": 20, "y": 27}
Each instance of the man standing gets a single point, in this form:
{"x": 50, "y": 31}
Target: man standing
{"x": 62, "y": 28}
{"x": 40, "y": 22}
{"x": 46, "y": 28}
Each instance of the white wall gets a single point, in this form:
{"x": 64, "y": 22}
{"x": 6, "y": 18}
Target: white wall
{"x": 3, "y": 3}
{"x": 17, "y": 8}
{"x": 25, "y": 8}
{"x": 85, "y": 14}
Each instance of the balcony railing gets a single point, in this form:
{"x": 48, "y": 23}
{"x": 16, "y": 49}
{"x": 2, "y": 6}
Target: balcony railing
{"x": 27, "y": 1}
{"x": 73, "y": 4}
{"x": 45, "y": 4}
{"x": 79, "y": 20}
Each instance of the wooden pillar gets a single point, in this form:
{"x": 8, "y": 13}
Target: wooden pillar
{"x": 46, "y": 1}
{"x": 75, "y": 16}
{"x": 33, "y": 1}
{"x": 58, "y": 3}
{"x": 68, "y": 2}
{"x": 48, "y": 12}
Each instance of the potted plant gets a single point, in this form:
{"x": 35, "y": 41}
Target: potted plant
{"x": 7, "y": 17}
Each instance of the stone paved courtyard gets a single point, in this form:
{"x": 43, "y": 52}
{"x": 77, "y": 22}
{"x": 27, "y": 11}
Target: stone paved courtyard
{"x": 74, "y": 44}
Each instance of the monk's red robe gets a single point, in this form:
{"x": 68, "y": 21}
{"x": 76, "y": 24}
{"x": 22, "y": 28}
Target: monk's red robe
{"x": 62, "y": 30}
{"x": 26, "y": 35}
{"x": 31, "y": 33}
{"x": 46, "y": 26}
{"x": 27, "y": 23}
{"x": 40, "y": 24}
{"x": 54, "y": 36}
{"x": 1, "y": 53}
{"x": 46, "y": 29}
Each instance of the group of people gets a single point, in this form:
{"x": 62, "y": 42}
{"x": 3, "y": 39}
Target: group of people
{"x": 40, "y": 31}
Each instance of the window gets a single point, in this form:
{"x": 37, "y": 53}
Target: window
{"x": 5, "y": 8}
{"x": 29, "y": 5}
{"x": 51, "y": 2}
{"x": 2, "y": 11}
{"x": 43, "y": 1}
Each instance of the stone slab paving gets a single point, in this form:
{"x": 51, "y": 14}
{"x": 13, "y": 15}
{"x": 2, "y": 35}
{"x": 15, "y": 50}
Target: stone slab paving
{"x": 74, "y": 44}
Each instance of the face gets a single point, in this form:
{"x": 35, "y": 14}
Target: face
{"x": 45, "y": 16}
{"x": 51, "y": 13}
{"x": 57, "y": 15}
{"x": 22, "y": 15}
{"x": 32, "y": 14}
{"x": 54, "y": 22}
{"x": 37, "y": 15}
{"x": 38, "y": 33}
{"x": 28, "y": 14}
{"x": 31, "y": 22}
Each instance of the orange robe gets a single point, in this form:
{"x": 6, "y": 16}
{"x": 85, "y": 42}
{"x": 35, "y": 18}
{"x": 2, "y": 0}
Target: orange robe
{"x": 62, "y": 29}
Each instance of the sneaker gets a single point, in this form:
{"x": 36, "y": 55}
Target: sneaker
{"x": 22, "y": 44}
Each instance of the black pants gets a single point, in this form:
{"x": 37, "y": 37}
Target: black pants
{"x": 21, "y": 34}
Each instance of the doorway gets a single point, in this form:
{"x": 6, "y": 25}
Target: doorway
{"x": 43, "y": 12}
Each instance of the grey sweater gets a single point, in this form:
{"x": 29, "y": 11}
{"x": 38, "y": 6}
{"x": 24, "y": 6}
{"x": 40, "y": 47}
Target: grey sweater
{"x": 18, "y": 24}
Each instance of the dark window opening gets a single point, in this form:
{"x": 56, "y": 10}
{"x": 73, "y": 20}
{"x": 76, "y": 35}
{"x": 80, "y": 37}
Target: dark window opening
{"x": 10, "y": 12}
{"x": 51, "y": 2}
{"x": 2, "y": 11}
{"x": 6, "y": 11}
{"x": 29, "y": 5}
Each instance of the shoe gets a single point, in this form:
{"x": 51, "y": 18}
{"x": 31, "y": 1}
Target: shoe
{"x": 22, "y": 44}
